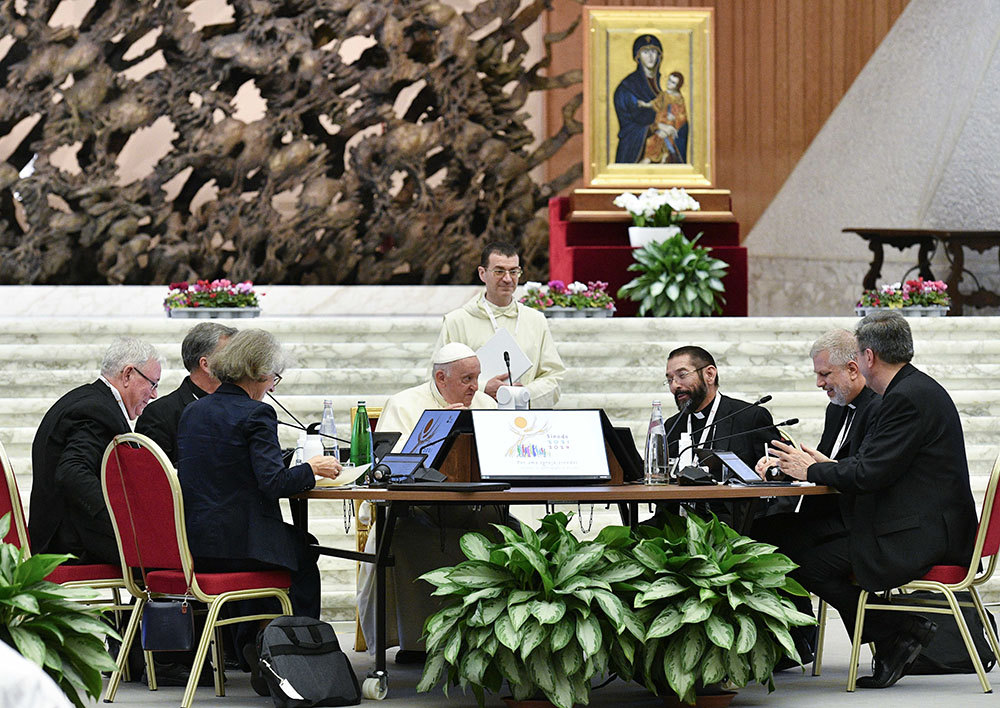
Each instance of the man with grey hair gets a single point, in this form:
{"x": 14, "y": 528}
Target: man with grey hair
{"x": 907, "y": 492}
{"x": 160, "y": 419}
{"x": 67, "y": 510}
{"x": 798, "y": 524}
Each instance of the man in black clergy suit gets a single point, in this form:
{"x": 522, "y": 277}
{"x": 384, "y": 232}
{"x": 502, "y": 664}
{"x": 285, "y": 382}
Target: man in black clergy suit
{"x": 67, "y": 513}
{"x": 160, "y": 419}
{"x": 912, "y": 503}
{"x": 798, "y": 524}
{"x": 713, "y": 420}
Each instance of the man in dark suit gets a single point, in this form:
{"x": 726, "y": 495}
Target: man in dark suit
{"x": 67, "y": 510}
{"x": 711, "y": 419}
{"x": 160, "y": 419}
{"x": 912, "y": 504}
{"x": 797, "y": 525}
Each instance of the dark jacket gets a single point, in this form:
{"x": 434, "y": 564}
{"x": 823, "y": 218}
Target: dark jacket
{"x": 726, "y": 435}
{"x": 160, "y": 419}
{"x": 913, "y": 505}
{"x": 67, "y": 509}
{"x": 231, "y": 474}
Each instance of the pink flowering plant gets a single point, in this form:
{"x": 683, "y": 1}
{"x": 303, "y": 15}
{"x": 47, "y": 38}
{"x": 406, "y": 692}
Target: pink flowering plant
{"x": 215, "y": 293}
{"x": 912, "y": 293}
{"x": 575, "y": 295}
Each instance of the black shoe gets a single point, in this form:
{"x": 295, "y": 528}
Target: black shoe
{"x": 410, "y": 656}
{"x": 257, "y": 681}
{"x": 899, "y": 656}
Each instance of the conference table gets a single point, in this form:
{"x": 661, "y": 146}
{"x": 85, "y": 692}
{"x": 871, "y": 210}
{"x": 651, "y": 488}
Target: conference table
{"x": 394, "y": 502}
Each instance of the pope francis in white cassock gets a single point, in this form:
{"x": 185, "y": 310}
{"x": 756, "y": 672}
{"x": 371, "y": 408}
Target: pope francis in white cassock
{"x": 428, "y": 537}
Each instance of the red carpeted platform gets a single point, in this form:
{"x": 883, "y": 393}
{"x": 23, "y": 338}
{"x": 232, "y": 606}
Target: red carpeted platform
{"x": 599, "y": 250}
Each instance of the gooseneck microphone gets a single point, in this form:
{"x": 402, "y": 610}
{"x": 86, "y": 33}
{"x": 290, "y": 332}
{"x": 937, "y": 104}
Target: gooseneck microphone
{"x": 680, "y": 415}
{"x": 759, "y": 402}
{"x": 790, "y": 421}
{"x": 506, "y": 361}
{"x": 300, "y": 426}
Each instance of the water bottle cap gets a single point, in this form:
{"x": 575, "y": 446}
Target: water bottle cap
{"x": 656, "y": 403}
{"x": 361, "y": 403}
{"x": 327, "y": 402}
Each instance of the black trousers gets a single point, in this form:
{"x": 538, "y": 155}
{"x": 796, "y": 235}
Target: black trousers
{"x": 819, "y": 544}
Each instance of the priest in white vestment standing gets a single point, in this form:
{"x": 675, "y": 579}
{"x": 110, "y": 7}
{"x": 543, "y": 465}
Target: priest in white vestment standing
{"x": 428, "y": 537}
{"x": 478, "y": 320}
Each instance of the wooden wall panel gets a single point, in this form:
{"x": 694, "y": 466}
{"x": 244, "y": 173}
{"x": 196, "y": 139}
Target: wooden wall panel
{"x": 781, "y": 67}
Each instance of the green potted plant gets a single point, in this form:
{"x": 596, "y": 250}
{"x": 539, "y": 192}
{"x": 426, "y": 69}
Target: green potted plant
{"x": 677, "y": 279}
{"x": 535, "y": 610}
{"x": 710, "y": 601}
{"x": 47, "y": 625}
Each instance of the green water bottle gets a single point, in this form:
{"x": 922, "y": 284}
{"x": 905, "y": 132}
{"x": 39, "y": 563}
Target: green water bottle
{"x": 361, "y": 437}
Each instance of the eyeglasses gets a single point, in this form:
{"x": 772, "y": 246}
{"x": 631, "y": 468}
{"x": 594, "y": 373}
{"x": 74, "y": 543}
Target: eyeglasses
{"x": 681, "y": 376}
{"x": 152, "y": 384}
{"x": 277, "y": 380}
{"x": 514, "y": 273}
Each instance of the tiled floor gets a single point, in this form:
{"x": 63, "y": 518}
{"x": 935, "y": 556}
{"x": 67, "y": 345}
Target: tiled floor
{"x": 792, "y": 688}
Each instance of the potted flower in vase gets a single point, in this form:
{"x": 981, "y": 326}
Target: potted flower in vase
{"x": 677, "y": 278}
{"x": 709, "y": 601}
{"x": 211, "y": 299}
{"x": 556, "y": 299}
{"x": 914, "y": 298}
{"x": 535, "y": 611}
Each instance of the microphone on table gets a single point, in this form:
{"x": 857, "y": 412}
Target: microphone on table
{"x": 381, "y": 472}
{"x": 300, "y": 426}
{"x": 790, "y": 421}
{"x": 759, "y": 402}
{"x": 680, "y": 415}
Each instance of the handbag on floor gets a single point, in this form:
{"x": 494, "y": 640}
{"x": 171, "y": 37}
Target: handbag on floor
{"x": 946, "y": 653}
{"x": 304, "y": 666}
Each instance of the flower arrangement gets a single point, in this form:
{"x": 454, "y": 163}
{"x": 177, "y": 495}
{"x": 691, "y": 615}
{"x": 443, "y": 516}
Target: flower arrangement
{"x": 912, "y": 293}
{"x": 656, "y": 207}
{"x": 215, "y": 293}
{"x": 576, "y": 295}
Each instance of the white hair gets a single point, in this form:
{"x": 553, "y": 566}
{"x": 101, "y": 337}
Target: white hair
{"x": 127, "y": 351}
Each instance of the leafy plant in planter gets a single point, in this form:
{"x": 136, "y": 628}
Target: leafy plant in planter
{"x": 536, "y": 610}
{"x": 678, "y": 279}
{"x": 47, "y": 625}
{"x": 709, "y": 600}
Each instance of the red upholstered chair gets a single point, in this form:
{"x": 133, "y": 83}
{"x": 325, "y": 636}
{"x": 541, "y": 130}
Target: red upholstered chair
{"x": 948, "y": 580}
{"x": 144, "y": 497}
{"x": 99, "y": 576}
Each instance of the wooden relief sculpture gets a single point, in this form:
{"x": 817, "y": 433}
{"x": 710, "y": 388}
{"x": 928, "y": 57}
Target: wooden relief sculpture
{"x": 395, "y": 166}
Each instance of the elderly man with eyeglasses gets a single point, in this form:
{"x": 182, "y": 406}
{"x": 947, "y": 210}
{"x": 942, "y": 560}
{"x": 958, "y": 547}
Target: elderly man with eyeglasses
{"x": 67, "y": 513}
{"x": 480, "y": 318}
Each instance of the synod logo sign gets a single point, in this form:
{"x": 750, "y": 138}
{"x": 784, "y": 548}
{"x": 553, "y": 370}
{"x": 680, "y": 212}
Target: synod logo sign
{"x": 540, "y": 446}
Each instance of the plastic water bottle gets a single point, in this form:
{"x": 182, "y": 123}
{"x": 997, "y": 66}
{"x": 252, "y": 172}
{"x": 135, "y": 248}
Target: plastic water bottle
{"x": 656, "y": 449}
{"x": 329, "y": 427}
{"x": 361, "y": 437}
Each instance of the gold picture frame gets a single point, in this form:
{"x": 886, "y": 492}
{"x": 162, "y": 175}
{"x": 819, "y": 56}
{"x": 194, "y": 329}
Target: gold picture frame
{"x": 666, "y": 107}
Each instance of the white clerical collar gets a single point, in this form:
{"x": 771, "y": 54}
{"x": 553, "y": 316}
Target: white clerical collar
{"x": 121, "y": 403}
{"x": 704, "y": 433}
{"x": 436, "y": 394}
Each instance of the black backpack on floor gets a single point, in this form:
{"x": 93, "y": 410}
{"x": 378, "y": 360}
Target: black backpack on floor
{"x": 946, "y": 653}
{"x": 301, "y": 660}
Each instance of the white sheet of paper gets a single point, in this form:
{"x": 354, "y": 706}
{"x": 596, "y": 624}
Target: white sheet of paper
{"x": 346, "y": 476}
{"x": 491, "y": 358}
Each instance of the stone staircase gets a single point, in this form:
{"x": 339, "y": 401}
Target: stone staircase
{"x": 615, "y": 364}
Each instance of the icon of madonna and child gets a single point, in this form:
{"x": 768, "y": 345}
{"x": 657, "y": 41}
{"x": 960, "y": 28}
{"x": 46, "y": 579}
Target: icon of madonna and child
{"x": 653, "y": 123}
